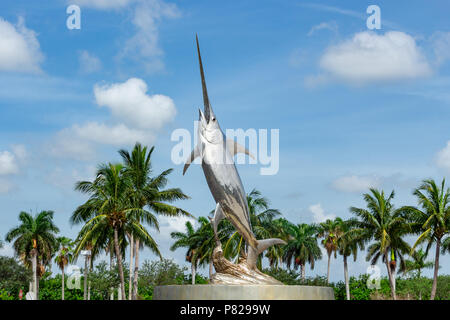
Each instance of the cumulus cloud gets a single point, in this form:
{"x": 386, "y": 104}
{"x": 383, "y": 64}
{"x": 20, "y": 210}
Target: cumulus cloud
{"x": 144, "y": 47}
{"x": 89, "y": 63}
{"x": 19, "y": 48}
{"x": 137, "y": 117}
{"x": 319, "y": 213}
{"x": 102, "y": 4}
{"x": 443, "y": 158}
{"x": 116, "y": 135}
{"x": 370, "y": 57}
{"x": 130, "y": 102}
{"x": 355, "y": 183}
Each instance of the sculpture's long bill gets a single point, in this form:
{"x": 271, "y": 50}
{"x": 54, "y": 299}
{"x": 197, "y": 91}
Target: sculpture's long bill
{"x": 222, "y": 177}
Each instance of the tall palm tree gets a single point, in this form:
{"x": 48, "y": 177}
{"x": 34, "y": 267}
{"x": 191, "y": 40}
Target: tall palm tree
{"x": 146, "y": 191}
{"x": 63, "y": 257}
{"x": 385, "y": 225}
{"x": 35, "y": 239}
{"x": 432, "y": 221}
{"x": 330, "y": 230}
{"x": 109, "y": 204}
{"x": 189, "y": 240}
{"x": 302, "y": 246}
{"x": 350, "y": 240}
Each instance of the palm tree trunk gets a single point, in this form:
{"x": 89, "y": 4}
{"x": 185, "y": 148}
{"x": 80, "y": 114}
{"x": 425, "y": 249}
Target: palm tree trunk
{"x": 119, "y": 261}
{"x": 85, "y": 277}
{"x": 89, "y": 281}
{"x": 193, "y": 272}
{"x": 111, "y": 262}
{"x": 390, "y": 276}
{"x": 34, "y": 264}
{"x": 328, "y": 269}
{"x": 37, "y": 288}
{"x": 130, "y": 287}
{"x": 436, "y": 268}
{"x": 302, "y": 271}
{"x": 210, "y": 267}
{"x": 136, "y": 270}
{"x": 62, "y": 282}
{"x": 347, "y": 284}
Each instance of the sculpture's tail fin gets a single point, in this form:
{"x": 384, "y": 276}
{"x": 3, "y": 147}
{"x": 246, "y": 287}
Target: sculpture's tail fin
{"x": 253, "y": 253}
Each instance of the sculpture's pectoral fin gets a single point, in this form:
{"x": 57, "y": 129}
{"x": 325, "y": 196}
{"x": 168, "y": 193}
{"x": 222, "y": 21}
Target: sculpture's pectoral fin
{"x": 236, "y": 148}
{"x": 194, "y": 154}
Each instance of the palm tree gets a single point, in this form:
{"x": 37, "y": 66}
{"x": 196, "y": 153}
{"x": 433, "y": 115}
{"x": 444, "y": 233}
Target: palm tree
{"x": 146, "y": 191}
{"x": 418, "y": 263}
{"x": 109, "y": 205}
{"x": 330, "y": 231}
{"x": 63, "y": 257}
{"x": 190, "y": 241}
{"x": 348, "y": 243}
{"x": 34, "y": 239}
{"x": 433, "y": 221}
{"x": 301, "y": 247}
{"x": 386, "y": 225}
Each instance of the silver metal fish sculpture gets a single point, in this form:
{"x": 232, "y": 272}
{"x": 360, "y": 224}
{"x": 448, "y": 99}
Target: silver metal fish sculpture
{"x": 217, "y": 153}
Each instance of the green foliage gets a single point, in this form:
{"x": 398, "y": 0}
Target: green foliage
{"x": 4, "y": 295}
{"x": 199, "y": 279}
{"x": 289, "y": 277}
{"x": 157, "y": 273}
{"x": 102, "y": 279}
{"x": 50, "y": 289}
{"x": 13, "y": 277}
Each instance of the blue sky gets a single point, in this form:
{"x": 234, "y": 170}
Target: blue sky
{"x": 355, "y": 107}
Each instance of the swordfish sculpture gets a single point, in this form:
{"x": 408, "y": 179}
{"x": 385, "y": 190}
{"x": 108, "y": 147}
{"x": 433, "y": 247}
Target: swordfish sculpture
{"x": 216, "y": 153}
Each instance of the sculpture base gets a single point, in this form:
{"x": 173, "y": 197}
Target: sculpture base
{"x": 242, "y": 292}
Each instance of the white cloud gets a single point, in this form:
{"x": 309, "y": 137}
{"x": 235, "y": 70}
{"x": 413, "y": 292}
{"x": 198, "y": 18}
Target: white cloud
{"x": 8, "y": 163}
{"x": 144, "y": 47}
{"x": 354, "y": 183}
{"x": 319, "y": 214}
{"x": 130, "y": 102}
{"x": 102, "y": 4}
{"x": 89, "y": 63}
{"x": 369, "y": 57}
{"x": 19, "y": 48}
{"x": 137, "y": 117}
{"x": 443, "y": 158}
{"x": 332, "y": 26}
{"x": 116, "y": 135}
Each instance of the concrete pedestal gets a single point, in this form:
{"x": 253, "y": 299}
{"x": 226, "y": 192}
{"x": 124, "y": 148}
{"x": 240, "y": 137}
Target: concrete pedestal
{"x": 242, "y": 292}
